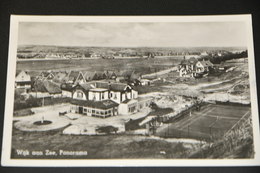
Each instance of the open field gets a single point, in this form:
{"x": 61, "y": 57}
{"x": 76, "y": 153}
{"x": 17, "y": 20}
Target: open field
{"x": 213, "y": 121}
{"x": 139, "y": 65}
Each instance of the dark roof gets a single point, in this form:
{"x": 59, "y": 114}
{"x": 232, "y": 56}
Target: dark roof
{"x": 51, "y": 87}
{"x": 193, "y": 60}
{"x": 39, "y": 86}
{"x": 117, "y": 86}
{"x": 113, "y": 86}
{"x": 46, "y": 74}
{"x": 100, "y": 74}
{"x": 109, "y": 74}
{"x": 136, "y": 75}
{"x": 102, "y": 84}
{"x": 66, "y": 87}
{"x": 88, "y": 85}
{"x": 89, "y": 74}
{"x": 105, "y": 104}
{"x": 119, "y": 72}
{"x": 206, "y": 63}
{"x": 61, "y": 76}
{"x": 73, "y": 75}
{"x": 128, "y": 73}
{"x": 185, "y": 62}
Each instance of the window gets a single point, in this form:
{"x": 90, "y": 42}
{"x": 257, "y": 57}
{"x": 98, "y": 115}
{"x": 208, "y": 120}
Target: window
{"x": 93, "y": 111}
{"x": 111, "y": 95}
{"x": 85, "y": 110}
{"x": 131, "y": 109}
{"x": 94, "y": 96}
{"x": 115, "y": 97}
{"x": 102, "y": 96}
{"x": 79, "y": 94}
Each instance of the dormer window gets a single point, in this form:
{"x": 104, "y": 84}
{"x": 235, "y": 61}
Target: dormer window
{"x": 79, "y": 94}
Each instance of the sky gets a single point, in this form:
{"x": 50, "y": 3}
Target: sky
{"x": 188, "y": 34}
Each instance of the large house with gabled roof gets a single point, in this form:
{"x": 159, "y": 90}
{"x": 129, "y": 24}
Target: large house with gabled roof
{"x": 104, "y": 99}
{"x": 194, "y": 68}
{"x": 22, "y": 79}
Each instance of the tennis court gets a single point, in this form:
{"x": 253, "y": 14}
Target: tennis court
{"x": 212, "y": 121}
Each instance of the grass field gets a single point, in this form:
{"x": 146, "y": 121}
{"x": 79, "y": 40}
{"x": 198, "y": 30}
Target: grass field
{"x": 139, "y": 65}
{"x": 212, "y": 121}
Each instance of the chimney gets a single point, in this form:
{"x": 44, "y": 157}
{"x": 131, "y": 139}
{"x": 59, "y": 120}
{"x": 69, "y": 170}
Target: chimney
{"x": 109, "y": 85}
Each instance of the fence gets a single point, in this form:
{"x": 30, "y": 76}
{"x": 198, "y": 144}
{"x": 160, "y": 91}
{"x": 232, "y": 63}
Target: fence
{"x": 199, "y": 132}
{"x": 232, "y": 103}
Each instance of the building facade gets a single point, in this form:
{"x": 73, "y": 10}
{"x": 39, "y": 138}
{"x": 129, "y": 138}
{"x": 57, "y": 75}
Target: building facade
{"x": 104, "y": 99}
{"x": 194, "y": 68}
{"x": 22, "y": 80}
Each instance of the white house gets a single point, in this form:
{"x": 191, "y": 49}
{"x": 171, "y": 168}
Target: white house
{"x": 104, "y": 99}
{"x": 22, "y": 80}
{"x": 194, "y": 68}
{"x": 203, "y": 66}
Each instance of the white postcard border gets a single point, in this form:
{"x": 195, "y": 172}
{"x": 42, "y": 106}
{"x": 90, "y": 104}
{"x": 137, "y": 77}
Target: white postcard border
{"x": 7, "y": 133}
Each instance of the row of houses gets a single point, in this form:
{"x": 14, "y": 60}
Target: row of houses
{"x": 95, "y": 98}
{"x": 25, "y": 79}
{"x": 75, "y": 77}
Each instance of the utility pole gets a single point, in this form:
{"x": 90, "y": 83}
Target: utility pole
{"x": 168, "y": 128}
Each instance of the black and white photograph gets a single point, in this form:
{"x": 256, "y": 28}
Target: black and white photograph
{"x": 131, "y": 91}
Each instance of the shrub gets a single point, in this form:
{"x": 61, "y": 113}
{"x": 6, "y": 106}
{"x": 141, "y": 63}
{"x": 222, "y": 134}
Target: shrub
{"x": 107, "y": 129}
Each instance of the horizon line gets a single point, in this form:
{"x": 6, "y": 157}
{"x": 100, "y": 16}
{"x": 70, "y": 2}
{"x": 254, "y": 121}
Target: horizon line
{"x": 132, "y": 46}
